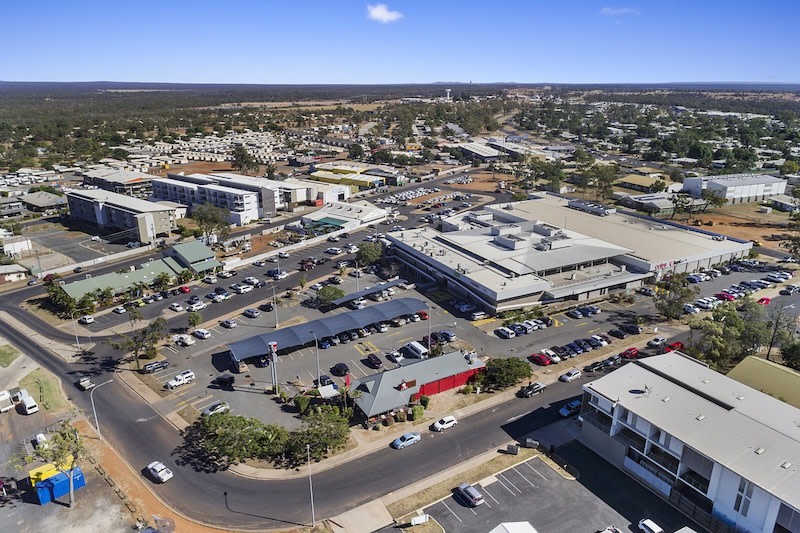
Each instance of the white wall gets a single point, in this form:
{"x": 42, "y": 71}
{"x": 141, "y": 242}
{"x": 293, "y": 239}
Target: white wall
{"x": 757, "y": 514}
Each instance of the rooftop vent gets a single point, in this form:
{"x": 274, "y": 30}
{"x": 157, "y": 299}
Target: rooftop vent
{"x": 759, "y": 450}
{"x": 706, "y": 381}
{"x": 700, "y": 417}
{"x": 665, "y": 399}
{"x": 786, "y": 464}
{"x": 740, "y": 397}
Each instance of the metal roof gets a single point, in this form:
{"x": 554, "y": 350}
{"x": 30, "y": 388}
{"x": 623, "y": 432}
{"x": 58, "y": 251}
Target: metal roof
{"x": 368, "y": 290}
{"x": 722, "y": 419}
{"x": 194, "y": 251}
{"x": 301, "y": 334}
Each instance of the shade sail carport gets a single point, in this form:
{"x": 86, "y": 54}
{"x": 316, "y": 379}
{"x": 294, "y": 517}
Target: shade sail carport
{"x": 370, "y": 290}
{"x": 300, "y": 335}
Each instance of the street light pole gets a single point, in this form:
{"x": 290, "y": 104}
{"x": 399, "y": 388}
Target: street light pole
{"x": 91, "y": 398}
{"x": 311, "y": 487}
{"x": 316, "y": 347}
{"x": 358, "y": 276}
{"x": 75, "y": 329}
{"x": 275, "y": 305}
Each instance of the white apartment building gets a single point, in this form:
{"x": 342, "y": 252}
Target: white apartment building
{"x": 243, "y": 205}
{"x": 723, "y": 452}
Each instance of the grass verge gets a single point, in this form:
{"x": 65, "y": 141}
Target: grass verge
{"x": 403, "y": 509}
{"x": 45, "y": 389}
{"x": 7, "y": 355}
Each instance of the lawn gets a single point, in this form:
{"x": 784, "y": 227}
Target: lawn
{"x": 7, "y": 355}
{"x": 45, "y": 389}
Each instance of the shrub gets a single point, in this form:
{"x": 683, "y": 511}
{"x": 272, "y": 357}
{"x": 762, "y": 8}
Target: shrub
{"x": 301, "y": 402}
{"x": 401, "y": 416}
{"x": 389, "y": 420}
{"x": 424, "y": 401}
{"x": 466, "y": 389}
{"x": 417, "y": 412}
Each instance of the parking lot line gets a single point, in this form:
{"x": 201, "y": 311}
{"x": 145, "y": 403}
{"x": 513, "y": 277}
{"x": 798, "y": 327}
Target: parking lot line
{"x": 504, "y": 486}
{"x": 199, "y": 400}
{"x": 451, "y": 512}
{"x": 523, "y": 477}
{"x": 532, "y": 468}
{"x": 358, "y": 367}
{"x": 490, "y": 495}
{"x": 510, "y": 483}
{"x": 593, "y": 330}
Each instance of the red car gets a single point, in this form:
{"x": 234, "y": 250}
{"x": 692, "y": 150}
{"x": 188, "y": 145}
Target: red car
{"x": 725, "y": 296}
{"x": 630, "y": 353}
{"x": 764, "y": 301}
{"x": 423, "y": 315}
{"x": 677, "y": 345}
{"x": 184, "y": 289}
{"x": 540, "y": 359}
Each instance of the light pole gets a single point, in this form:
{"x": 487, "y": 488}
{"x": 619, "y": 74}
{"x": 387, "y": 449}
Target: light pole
{"x": 316, "y": 347}
{"x": 311, "y": 486}
{"x": 275, "y": 305}
{"x": 75, "y": 329}
{"x": 91, "y": 398}
{"x": 358, "y": 276}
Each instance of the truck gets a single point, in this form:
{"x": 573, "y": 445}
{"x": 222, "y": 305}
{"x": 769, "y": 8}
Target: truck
{"x": 6, "y": 404}
{"x": 84, "y": 383}
{"x": 185, "y": 377}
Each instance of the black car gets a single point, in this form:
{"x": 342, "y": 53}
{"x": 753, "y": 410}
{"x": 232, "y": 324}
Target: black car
{"x": 633, "y": 329}
{"x": 618, "y": 334}
{"x": 586, "y": 311}
{"x": 220, "y": 290}
{"x": 166, "y": 294}
{"x": 611, "y": 361}
{"x": 324, "y": 380}
{"x": 593, "y": 367}
{"x": 561, "y": 352}
{"x": 266, "y": 307}
{"x": 547, "y": 321}
{"x": 569, "y": 350}
{"x": 225, "y": 380}
{"x": 594, "y": 343}
{"x": 647, "y": 291}
{"x": 77, "y": 270}
{"x": 345, "y": 337}
{"x": 149, "y": 368}
{"x": 340, "y": 369}
{"x": 583, "y": 344}
{"x": 575, "y": 347}
{"x": 374, "y": 361}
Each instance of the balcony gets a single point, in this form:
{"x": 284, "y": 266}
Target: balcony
{"x": 631, "y": 439}
{"x": 663, "y": 459}
{"x": 695, "y": 480}
{"x": 598, "y": 419}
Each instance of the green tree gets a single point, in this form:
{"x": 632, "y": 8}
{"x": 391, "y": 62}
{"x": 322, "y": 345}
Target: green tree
{"x": 86, "y": 304}
{"x": 733, "y": 333}
{"x": 325, "y": 429}
{"x": 212, "y": 220}
{"x": 790, "y": 167}
{"x": 790, "y": 354}
{"x": 681, "y": 203}
{"x": 194, "y": 319}
{"x": 231, "y": 439}
{"x": 63, "y": 449}
{"x": 185, "y": 276}
{"x": 301, "y": 401}
{"x": 369, "y": 253}
{"x": 713, "y": 199}
{"x": 242, "y": 160}
{"x": 270, "y": 170}
{"x": 503, "y": 373}
{"x": 303, "y": 281}
{"x": 142, "y": 341}
{"x": 328, "y": 294}
{"x": 163, "y": 281}
{"x": 674, "y": 292}
{"x": 356, "y": 151}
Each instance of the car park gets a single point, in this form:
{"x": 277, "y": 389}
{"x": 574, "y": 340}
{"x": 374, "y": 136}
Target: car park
{"x": 160, "y": 473}
{"x": 216, "y": 408}
{"x": 445, "y": 423}
{"x": 570, "y": 375}
{"x": 531, "y": 390}
{"x": 201, "y": 333}
{"x": 406, "y": 440}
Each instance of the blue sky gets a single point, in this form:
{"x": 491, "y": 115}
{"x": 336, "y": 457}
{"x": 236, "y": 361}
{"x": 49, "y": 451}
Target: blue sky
{"x": 414, "y": 41}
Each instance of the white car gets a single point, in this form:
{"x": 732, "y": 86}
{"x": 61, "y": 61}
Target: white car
{"x": 183, "y": 340}
{"x": 184, "y": 378}
{"x": 199, "y": 306}
{"x": 215, "y": 408}
{"x": 250, "y": 280}
{"x": 570, "y": 375}
{"x": 657, "y": 342}
{"x": 119, "y": 309}
{"x": 159, "y": 471}
{"x": 283, "y": 255}
{"x": 251, "y": 313}
{"x": 243, "y": 289}
{"x": 86, "y": 319}
{"x": 230, "y": 323}
{"x": 333, "y": 238}
{"x": 202, "y": 333}
{"x": 317, "y": 286}
{"x": 281, "y": 275}
{"x": 395, "y": 357}
{"x": 226, "y": 275}
{"x": 210, "y": 279}
{"x": 333, "y": 251}
{"x": 351, "y": 248}
{"x": 176, "y": 307}
{"x": 445, "y": 423}
{"x": 505, "y": 333}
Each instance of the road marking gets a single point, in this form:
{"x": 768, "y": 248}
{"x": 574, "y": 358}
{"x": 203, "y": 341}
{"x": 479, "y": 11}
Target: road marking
{"x": 509, "y": 482}
{"x": 540, "y": 474}
{"x": 172, "y": 349}
{"x": 513, "y": 418}
{"x": 523, "y": 477}
{"x": 358, "y": 367}
{"x": 593, "y": 330}
{"x": 490, "y": 495}
{"x": 451, "y": 512}
{"x": 504, "y": 486}
{"x": 146, "y": 419}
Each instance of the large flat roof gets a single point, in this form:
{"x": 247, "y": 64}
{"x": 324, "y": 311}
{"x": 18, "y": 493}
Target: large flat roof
{"x": 120, "y": 201}
{"x": 748, "y": 432}
{"x": 651, "y": 240}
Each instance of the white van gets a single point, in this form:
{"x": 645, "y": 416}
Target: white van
{"x": 29, "y": 405}
{"x": 648, "y": 526}
{"x": 415, "y": 349}
{"x": 477, "y": 315}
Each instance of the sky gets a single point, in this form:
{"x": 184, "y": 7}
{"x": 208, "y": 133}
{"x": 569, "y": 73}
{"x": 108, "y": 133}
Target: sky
{"x": 411, "y": 41}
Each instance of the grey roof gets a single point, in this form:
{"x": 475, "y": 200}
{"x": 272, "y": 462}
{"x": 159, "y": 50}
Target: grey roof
{"x": 300, "y": 335}
{"x": 720, "y": 418}
{"x": 194, "y": 251}
{"x": 368, "y": 291}
{"x": 380, "y": 393}
{"x": 43, "y": 199}
{"x": 120, "y": 201}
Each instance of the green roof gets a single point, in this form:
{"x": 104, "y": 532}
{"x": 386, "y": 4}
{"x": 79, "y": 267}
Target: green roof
{"x": 205, "y": 266}
{"x": 194, "y": 251}
{"x": 118, "y": 282}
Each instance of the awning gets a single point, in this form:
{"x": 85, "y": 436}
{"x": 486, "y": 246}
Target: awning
{"x": 368, "y": 291}
{"x": 300, "y": 335}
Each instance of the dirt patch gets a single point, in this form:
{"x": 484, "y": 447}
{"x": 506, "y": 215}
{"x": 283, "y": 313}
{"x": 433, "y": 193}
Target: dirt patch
{"x": 45, "y": 389}
{"x": 203, "y": 167}
{"x": 744, "y": 221}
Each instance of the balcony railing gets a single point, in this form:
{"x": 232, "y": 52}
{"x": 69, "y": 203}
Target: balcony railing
{"x": 631, "y": 439}
{"x": 695, "y": 480}
{"x": 598, "y": 420}
{"x": 662, "y": 458}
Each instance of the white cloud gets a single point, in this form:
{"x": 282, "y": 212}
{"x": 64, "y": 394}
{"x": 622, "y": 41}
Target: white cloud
{"x": 382, "y": 13}
{"x": 617, "y": 11}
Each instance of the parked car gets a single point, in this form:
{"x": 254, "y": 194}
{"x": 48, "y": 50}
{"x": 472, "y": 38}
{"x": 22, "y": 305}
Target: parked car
{"x": 199, "y": 306}
{"x": 155, "y": 366}
{"x": 176, "y": 306}
{"x": 184, "y": 378}
{"x": 423, "y": 315}
{"x": 531, "y": 390}
{"x": 119, "y": 310}
{"x": 161, "y": 473}
{"x": 540, "y": 359}
{"x": 574, "y": 313}
{"x": 251, "y": 313}
{"x": 374, "y": 361}
{"x": 229, "y": 323}
{"x": 657, "y": 342}
{"x": 216, "y": 408}
{"x": 85, "y": 383}
{"x": 570, "y": 375}
{"x": 406, "y": 440}
{"x": 445, "y": 423}
{"x": 505, "y": 333}
{"x": 340, "y": 369}
{"x": 470, "y": 494}
{"x": 395, "y": 356}
{"x": 570, "y": 409}
{"x": 633, "y": 329}
{"x": 86, "y": 319}
{"x": 201, "y": 333}
{"x": 593, "y": 367}
{"x": 630, "y": 353}
{"x": 210, "y": 279}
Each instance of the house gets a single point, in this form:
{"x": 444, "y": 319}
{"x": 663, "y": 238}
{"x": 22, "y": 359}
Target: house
{"x": 396, "y": 388}
{"x": 784, "y": 202}
{"x": 40, "y": 201}
{"x": 11, "y": 273}
{"x": 196, "y": 256}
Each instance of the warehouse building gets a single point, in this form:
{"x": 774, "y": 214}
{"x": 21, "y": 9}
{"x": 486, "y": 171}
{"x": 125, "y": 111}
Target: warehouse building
{"x": 724, "y": 453}
{"x": 737, "y": 188}
{"x": 111, "y": 211}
